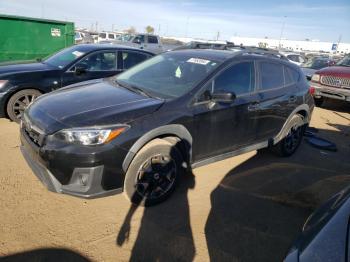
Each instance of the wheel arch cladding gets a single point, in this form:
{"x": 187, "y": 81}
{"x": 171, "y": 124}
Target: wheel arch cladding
{"x": 160, "y": 132}
{"x": 304, "y": 111}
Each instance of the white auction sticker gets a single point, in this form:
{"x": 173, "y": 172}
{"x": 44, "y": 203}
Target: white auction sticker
{"x": 77, "y": 53}
{"x": 198, "y": 61}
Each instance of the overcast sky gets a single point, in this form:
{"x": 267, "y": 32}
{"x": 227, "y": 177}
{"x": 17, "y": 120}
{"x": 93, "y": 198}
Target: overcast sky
{"x": 313, "y": 19}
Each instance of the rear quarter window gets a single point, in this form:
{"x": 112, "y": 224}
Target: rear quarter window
{"x": 152, "y": 39}
{"x": 272, "y": 75}
{"x": 291, "y": 76}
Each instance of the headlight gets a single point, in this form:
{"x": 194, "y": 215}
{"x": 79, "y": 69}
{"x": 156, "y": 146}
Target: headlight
{"x": 315, "y": 78}
{"x": 90, "y": 136}
{"x": 3, "y": 83}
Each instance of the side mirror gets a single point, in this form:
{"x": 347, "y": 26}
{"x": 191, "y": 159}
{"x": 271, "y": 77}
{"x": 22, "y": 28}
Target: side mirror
{"x": 223, "y": 97}
{"x": 80, "y": 70}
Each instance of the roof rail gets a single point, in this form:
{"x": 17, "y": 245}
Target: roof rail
{"x": 259, "y": 51}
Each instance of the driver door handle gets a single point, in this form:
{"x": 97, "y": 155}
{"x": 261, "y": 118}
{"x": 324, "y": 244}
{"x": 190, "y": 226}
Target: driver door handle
{"x": 254, "y": 106}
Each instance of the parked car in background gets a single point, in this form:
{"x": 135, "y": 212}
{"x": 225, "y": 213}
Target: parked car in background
{"x": 314, "y": 64}
{"x": 147, "y": 42}
{"x": 205, "y": 45}
{"x": 107, "y": 36}
{"x": 295, "y": 58}
{"x": 332, "y": 82}
{"x": 325, "y": 235}
{"x": 21, "y": 83}
{"x": 137, "y": 132}
{"x": 82, "y": 37}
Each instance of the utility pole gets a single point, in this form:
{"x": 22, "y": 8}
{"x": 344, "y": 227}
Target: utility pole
{"x": 339, "y": 39}
{"x": 217, "y": 35}
{"x": 282, "y": 29}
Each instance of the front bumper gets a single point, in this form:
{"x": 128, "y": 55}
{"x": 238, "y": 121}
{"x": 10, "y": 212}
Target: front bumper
{"x": 331, "y": 92}
{"x": 4, "y": 96}
{"x": 84, "y": 176}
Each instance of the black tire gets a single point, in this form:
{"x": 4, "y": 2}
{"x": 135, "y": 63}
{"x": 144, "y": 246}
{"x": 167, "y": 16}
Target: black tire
{"x": 290, "y": 143}
{"x": 19, "y": 101}
{"x": 319, "y": 101}
{"x": 153, "y": 173}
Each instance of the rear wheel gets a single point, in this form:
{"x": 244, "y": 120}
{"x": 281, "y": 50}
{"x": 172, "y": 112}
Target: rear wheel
{"x": 153, "y": 174}
{"x": 318, "y": 101}
{"x": 19, "y": 102}
{"x": 290, "y": 143}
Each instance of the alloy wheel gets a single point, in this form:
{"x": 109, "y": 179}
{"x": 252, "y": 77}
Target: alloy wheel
{"x": 156, "y": 177}
{"x": 22, "y": 103}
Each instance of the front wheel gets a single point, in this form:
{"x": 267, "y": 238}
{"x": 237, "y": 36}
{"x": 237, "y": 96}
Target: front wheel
{"x": 153, "y": 174}
{"x": 19, "y": 102}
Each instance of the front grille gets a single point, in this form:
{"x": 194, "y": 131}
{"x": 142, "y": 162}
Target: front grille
{"x": 33, "y": 132}
{"x": 34, "y": 137}
{"x": 334, "y": 81}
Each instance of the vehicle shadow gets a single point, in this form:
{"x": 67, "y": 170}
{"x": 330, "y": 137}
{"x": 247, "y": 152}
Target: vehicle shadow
{"x": 165, "y": 232}
{"x": 47, "y": 254}
{"x": 260, "y": 206}
{"x": 336, "y": 105}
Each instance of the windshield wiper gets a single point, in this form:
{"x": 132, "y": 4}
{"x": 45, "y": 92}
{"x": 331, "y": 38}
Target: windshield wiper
{"x": 134, "y": 89}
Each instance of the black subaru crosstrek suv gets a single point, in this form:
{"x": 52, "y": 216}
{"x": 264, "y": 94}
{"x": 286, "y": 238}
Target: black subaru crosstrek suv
{"x": 140, "y": 131}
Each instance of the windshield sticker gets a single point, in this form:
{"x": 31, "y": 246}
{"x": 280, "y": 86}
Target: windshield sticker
{"x": 198, "y": 61}
{"x": 178, "y": 72}
{"x": 77, "y": 53}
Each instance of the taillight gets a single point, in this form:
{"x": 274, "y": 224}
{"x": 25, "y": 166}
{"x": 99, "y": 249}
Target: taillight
{"x": 311, "y": 90}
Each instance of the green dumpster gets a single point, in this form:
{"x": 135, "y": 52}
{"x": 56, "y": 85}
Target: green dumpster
{"x": 24, "y": 38}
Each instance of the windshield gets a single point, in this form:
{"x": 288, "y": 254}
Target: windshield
{"x": 64, "y": 57}
{"x": 125, "y": 38}
{"x": 169, "y": 75}
{"x": 316, "y": 63}
{"x": 345, "y": 61}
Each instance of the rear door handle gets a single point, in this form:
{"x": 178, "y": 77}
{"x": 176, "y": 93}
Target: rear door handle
{"x": 253, "y": 106}
{"x": 292, "y": 99}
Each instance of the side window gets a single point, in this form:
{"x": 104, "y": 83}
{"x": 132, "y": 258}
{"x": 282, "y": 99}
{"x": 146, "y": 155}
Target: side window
{"x": 291, "y": 76}
{"x": 101, "y": 61}
{"x": 271, "y": 75}
{"x": 139, "y": 39}
{"x": 152, "y": 39}
{"x": 294, "y": 58}
{"x": 238, "y": 79}
{"x": 111, "y": 36}
{"x": 206, "y": 92}
{"x": 129, "y": 59}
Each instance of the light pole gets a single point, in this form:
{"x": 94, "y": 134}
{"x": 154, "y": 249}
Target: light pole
{"x": 282, "y": 29}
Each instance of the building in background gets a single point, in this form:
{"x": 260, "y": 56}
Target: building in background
{"x": 294, "y": 45}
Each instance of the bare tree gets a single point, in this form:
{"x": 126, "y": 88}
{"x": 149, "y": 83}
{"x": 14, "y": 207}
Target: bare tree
{"x": 131, "y": 30}
{"x": 149, "y": 29}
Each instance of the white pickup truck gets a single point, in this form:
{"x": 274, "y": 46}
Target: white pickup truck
{"x": 147, "y": 42}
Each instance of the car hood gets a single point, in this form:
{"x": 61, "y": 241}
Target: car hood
{"x": 23, "y": 67}
{"x": 308, "y": 72}
{"x": 95, "y": 103}
{"x": 339, "y": 71}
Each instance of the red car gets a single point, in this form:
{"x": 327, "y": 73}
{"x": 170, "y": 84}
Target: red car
{"x": 332, "y": 82}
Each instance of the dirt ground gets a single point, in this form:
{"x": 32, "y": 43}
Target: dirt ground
{"x": 246, "y": 208}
